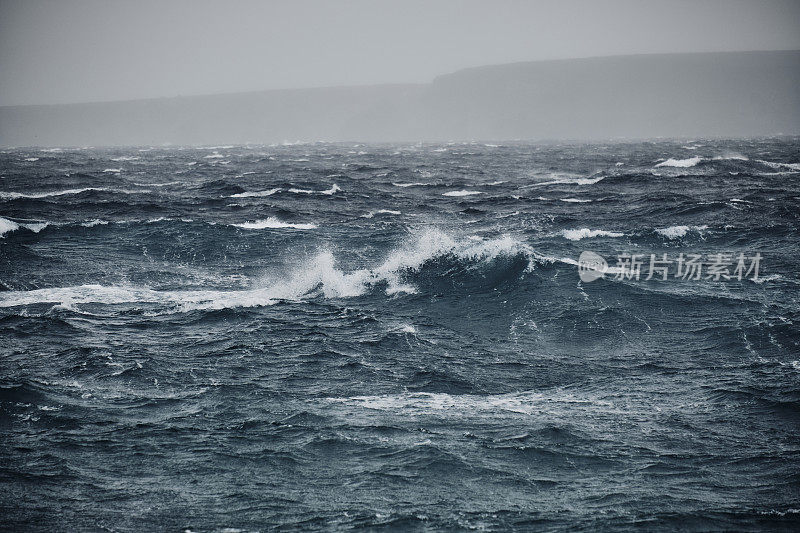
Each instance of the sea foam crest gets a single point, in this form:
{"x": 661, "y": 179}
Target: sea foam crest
{"x": 249, "y": 194}
{"x": 461, "y": 193}
{"x": 7, "y": 226}
{"x": 680, "y": 163}
{"x": 586, "y": 233}
{"x": 562, "y": 179}
{"x": 10, "y": 195}
{"x": 676, "y": 232}
{"x": 493, "y": 405}
{"x": 333, "y": 190}
{"x": 273, "y": 222}
{"x": 318, "y": 275}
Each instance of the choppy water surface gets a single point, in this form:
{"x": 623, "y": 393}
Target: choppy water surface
{"x": 343, "y": 337}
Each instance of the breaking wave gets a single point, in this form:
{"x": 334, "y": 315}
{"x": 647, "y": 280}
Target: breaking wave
{"x": 680, "y": 163}
{"x": 675, "y": 232}
{"x": 14, "y": 195}
{"x": 249, "y": 194}
{"x": 586, "y": 233}
{"x": 461, "y": 193}
{"x": 7, "y": 226}
{"x": 317, "y": 276}
{"x": 273, "y": 222}
{"x": 334, "y": 189}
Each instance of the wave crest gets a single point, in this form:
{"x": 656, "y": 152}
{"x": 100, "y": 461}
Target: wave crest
{"x": 317, "y": 276}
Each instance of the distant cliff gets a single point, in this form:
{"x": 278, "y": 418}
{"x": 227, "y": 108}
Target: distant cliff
{"x": 671, "y": 95}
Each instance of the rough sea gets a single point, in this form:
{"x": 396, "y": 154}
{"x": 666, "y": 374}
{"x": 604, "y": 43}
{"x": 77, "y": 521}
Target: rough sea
{"x": 397, "y": 338}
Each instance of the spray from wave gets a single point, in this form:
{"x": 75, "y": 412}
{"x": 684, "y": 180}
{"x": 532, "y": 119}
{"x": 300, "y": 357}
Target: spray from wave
{"x": 317, "y": 276}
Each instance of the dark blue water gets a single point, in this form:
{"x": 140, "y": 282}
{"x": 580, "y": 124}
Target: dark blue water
{"x": 362, "y": 337}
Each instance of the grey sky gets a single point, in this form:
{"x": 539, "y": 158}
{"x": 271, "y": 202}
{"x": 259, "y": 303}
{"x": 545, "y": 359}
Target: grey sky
{"x": 81, "y": 50}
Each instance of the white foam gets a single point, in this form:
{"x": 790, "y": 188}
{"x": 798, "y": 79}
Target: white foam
{"x": 7, "y": 226}
{"x": 492, "y": 405}
{"x": 762, "y": 279}
{"x": 732, "y": 156}
{"x": 790, "y": 166}
{"x": 334, "y": 188}
{"x": 68, "y": 297}
{"x": 36, "y": 227}
{"x": 570, "y": 180}
{"x": 675, "y": 232}
{"x": 680, "y": 163}
{"x": 316, "y": 275}
{"x": 415, "y": 184}
{"x": 31, "y": 159}
{"x": 113, "y": 170}
{"x": 14, "y": 195}
{"x": 215, "y": 155}
{"x": 157, "y": 184}
{"x": 125, "y": 158}
{"x": 462, "y": 193}
{"x": 575, "y": 200}
{"x": 93, "y": 223}
{"x": 250, "y": 194}
{"x": 586, "y": 233}
{"x": 272, "y": 222}
{"x": 381, "y": 212}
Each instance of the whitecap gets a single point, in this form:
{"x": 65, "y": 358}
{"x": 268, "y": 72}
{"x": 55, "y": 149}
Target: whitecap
{"x": 317, "y": 275}
{"x": 732, "y": 156}
{"x": 680, "y": 163}
{"x": 93, "y": 223}
{"x": 492, "y": 405}
{"x": 461, "y": 193}
{"x": 251, "y": 194}
{"x": 675, "y": 232}
{"x": 795, "y": 167}
{"x": 415, "y": 184}
{"x": 15, "y": 195}
{"x": 371, "y": 214}
{"x": 36, "y": 227}
{"x": 7, "y": 226}
{"x": 273, "y": 223}
{"x": 586, "y": 233}
{"x": 334, "y": 188}
{"x": 157, "y": 184}
{"x": 113, "y": 170}
{"x": 571, "y": 180}
{"x": 31, "y": 159}
{"x": 575, "y": 200}
{"x": 125, "y": 158}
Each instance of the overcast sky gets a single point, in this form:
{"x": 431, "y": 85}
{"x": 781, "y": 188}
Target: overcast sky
{"x": 85, "y": 50}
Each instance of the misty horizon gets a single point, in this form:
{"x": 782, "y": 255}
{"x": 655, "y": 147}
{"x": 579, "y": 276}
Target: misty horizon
{"x": 91, "y": 51}
{"x": 397, "y": 83}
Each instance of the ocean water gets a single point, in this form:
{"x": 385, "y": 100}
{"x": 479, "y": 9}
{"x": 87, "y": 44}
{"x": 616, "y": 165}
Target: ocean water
{"x": 397, "y": 337}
